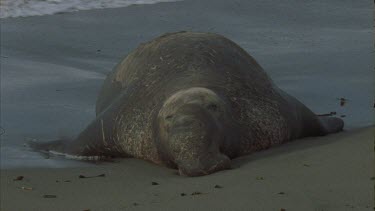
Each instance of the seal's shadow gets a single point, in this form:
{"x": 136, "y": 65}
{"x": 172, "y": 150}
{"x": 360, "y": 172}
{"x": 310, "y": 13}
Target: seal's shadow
{"x": 286, "y": 148}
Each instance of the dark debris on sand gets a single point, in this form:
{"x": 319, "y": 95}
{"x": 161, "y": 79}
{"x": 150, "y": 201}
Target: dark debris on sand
{"x": 19, "y": 178}
{"x": 85, "y": 177}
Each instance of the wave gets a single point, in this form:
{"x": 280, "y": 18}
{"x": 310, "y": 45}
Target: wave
{"x": 24, "y": 8}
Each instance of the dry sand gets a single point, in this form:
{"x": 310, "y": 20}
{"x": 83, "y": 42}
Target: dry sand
{"x": 318, "y": 174}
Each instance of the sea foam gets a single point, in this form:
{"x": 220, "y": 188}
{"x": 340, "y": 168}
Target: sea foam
{"x": 23, "y": 8}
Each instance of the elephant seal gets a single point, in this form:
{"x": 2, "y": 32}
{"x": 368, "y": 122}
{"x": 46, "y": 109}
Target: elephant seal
{"x": 191, "y": 101}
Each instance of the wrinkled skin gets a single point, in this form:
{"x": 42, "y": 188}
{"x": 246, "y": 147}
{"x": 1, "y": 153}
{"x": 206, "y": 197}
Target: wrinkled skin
{"x": 192, "y": 101}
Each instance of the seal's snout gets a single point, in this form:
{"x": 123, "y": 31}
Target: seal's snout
{"x": 191, "y": 131}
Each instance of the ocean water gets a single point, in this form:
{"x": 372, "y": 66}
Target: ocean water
{"x": 23, "y": 8}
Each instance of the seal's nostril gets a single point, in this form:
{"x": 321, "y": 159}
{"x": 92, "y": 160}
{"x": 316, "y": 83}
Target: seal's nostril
{"x": 212, "y": 107}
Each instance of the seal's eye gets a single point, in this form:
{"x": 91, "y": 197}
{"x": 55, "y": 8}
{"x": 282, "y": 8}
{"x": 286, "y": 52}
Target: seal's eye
{"x": 212, "y": 107}
{"x": 169, "y": 117}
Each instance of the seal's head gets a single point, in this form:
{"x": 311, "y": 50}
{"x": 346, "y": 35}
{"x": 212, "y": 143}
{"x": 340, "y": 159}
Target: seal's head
{"x": 191, "y": 131}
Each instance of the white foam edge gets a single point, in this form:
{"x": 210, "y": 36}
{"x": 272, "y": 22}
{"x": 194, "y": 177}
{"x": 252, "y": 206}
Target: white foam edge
{"x": 77, "y": 157}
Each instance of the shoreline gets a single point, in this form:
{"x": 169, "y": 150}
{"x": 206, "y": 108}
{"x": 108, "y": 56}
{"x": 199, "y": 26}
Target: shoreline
{"x": 29, "y": 9}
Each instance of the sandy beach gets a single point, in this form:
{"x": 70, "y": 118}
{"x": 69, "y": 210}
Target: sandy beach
{"x": 52, "y": 67}
{"x": 327, "y": 173}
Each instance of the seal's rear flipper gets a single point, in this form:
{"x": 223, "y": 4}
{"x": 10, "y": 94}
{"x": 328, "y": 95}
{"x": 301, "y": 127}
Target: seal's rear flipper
{"x": 331, "y": 124}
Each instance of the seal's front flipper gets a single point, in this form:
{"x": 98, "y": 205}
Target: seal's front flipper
{"x": 95, "y": 140}
{"x": 331, "y": 124}
{"x": 88, "y": 145}
{"x": 57, "y": 145}
{"x": 63, "y": 147}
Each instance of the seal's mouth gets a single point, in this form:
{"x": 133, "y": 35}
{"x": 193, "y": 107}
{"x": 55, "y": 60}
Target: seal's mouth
{"x": 205, "y": 166}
